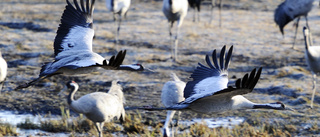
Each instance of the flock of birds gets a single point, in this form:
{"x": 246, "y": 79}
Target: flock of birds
{"x": 207, "y": 92}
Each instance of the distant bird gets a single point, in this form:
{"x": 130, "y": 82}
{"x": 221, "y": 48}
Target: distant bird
{"x": 195, "y": 4}
{"x": 172, "y": 93}
{"x": 312, "y": 55}
{"x": 99, "y": 107}
{"x": 213, "y": 4}
{"x": 291, "y": 9}
{"x": 3, "y": 71}
{"x": 175, "y": 10}
{"x": 208, "y": 91}
{"x": 73, "y": 46}
{"x": 119, "y": 7}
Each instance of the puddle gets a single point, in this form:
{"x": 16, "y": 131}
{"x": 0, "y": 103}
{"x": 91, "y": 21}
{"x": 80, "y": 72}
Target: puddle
{"x": 14, "y": 119}
{"x": 227, "y": 122}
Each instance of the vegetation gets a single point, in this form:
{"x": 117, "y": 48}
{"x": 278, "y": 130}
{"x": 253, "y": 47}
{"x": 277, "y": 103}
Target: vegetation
{"x": 7, "y": 130}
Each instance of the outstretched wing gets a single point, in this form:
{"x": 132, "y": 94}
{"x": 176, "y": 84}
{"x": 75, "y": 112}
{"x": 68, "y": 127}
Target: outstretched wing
{"x": 243, "y": 86}
{"x": 210, "y": 79}
{"x": 75, "y": 31}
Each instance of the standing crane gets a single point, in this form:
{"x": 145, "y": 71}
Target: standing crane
{"x": 213, "y": 4}
{"x": 119, "y": 7}
{"x": 208, "y": 91}
{"x": 312, "y": 55}
{"x": 172, "y": 93}
{"x": 99, "y": 107}
{"x": 3, "y": 71}
{"x": 291, "y": 9}
{"x": 73, "y": 46}
{"x": 175, "y": 10}
{"x": 195, "y": 4}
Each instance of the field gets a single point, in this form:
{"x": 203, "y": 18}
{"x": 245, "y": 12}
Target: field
{"x": 28, "y": 29}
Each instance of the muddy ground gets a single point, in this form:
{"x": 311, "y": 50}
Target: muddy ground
{"x": 28, "y": 29}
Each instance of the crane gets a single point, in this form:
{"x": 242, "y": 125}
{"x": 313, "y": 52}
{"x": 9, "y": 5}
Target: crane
{"x": 99, "y": 107}
{"x": 3, "y": 71}
{"x": 195, "y": 4}
{"x": 208, "y": 91}
{"x": 172, "y": 93}
{"x": 213, "y": 4}
{"x": 175, "y": 11}
{"x": 73, "y": 46}
{"x": 312, "y": 55}
{"x": 119, "y": 7}
{"x": 289, "y": 10}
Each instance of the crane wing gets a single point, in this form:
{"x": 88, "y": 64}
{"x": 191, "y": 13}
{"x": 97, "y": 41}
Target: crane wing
{"x": 75, "y": 31}
{"x": 243, "y": 86}
{"x": 210, "y": 79}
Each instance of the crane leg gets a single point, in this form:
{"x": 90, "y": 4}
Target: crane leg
{"x": 295, "y": 34}
{"x": 166, "y": 130}
{"x": 1, "y": 85}
{"x": 314, "y": 77}
{"x": 198, "y": 13}
{"x": 98, "y": 126}
{"x": 212, "y": 6}
{"x": 35, "y": 81}
{"x": 176, "y": 44}
{"x": 220, "y": 6}
{"x": 307, "y": 24}
{"x": 194, "y": 15}
{"x": 177, "y": 123}
{"x": 170, "y": 34}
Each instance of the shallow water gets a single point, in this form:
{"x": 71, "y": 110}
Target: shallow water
{"x": 228, "y": 122}
{"x": 14, "y": 119}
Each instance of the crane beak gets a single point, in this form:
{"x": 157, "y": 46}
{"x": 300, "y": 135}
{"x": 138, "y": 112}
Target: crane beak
{"x": 290, "y": 109}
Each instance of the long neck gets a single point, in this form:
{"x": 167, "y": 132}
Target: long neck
{"x": 116, "y": 90}
{"x": 308, "y": 39}
{"x": 268, "y": 106}
{"x": 73, "y": 90}
{"x": 240, "y": 102}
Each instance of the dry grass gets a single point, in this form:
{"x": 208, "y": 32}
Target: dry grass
{"x": 7, "y": 130}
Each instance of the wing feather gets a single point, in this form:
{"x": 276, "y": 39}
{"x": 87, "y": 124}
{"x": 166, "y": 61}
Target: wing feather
{"x": 242, "y": 86}
{"x": 215, "y": 72}
{"x": 75, "y": 30}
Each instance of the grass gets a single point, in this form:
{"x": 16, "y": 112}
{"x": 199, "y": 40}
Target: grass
{"x": 259, "y": 124}
{"x": 7, "y": 130}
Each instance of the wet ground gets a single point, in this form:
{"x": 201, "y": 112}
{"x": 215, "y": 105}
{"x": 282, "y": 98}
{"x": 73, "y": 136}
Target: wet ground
{"x": 28, "y": 30}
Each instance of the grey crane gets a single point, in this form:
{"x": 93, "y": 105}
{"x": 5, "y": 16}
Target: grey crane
{"x": 175, "y": 10}
{"x": 172, "y": 93}
{"x": 208, "y": 91}
{"x": 312, "y": 55}
{"x": 213, "y": 4}
{"x": 119, "y": 7}
{"x": 195, "y": 4}
{"x": 99, "y": 107}
{"x": 73, "y": 46}
{"x": 3, "y": 71}
{"x": 289, "y": 10}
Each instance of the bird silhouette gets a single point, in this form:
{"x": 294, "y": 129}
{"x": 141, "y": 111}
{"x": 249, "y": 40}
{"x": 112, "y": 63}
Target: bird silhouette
{"x": 120, "y": 8}
{"x": 312, "y": 55}
{"x": 99, "y": 107}
{"x": 73, "y": 46}
{"x": 175, "y": 11}
{"x": 289, "y": 10}
{"x": 172, "y": 93}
